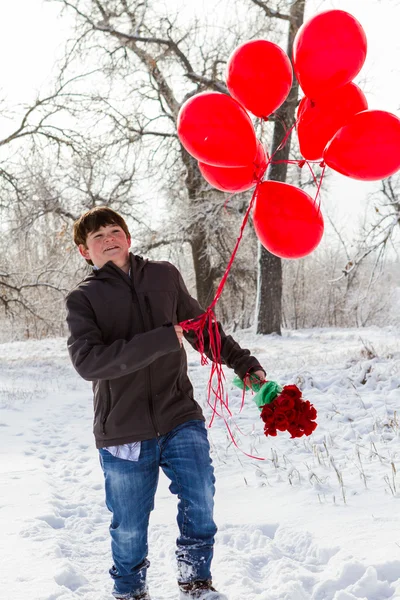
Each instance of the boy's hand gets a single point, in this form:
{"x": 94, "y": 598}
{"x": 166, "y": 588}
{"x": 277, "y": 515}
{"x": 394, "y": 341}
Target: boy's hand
{"x": 179, "y": 333}
{"x": 254, "y": 378}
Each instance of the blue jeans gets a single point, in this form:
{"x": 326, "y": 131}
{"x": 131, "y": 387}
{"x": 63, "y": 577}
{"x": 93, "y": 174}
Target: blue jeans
{"x": 184, "y": 456}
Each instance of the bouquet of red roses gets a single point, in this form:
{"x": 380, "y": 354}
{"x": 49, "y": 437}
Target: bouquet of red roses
{"x": 283, "y": 409}
{"x": 289, "y": 412}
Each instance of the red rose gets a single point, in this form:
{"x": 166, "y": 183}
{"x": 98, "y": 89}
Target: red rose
{"x": 267, "y": 414}
{"x": 308, "y": 409}
{"x": 270, "y": 431}
{"x": 295, "y": 432}
{"x": 312, "y": 413}
{"x": 285, "y": 401}
{"x": 281, "y": 422}
{"x": 302, "y": 420}
{"x": 309, "y": 427}
{"x": 292, "y": 391}
{"x": 299, "y": 404}
{"x": 303, "y": 408}
{"x": 291, "y": 416}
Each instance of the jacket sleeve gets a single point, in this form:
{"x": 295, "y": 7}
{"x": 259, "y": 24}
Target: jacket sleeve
{"x": 94, "y": 360}
{"x": 232, "y": 355}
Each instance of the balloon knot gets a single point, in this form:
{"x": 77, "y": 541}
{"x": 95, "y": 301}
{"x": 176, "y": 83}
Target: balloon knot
{"x": 322, "y": 164}
{"x": 302, "y": 163}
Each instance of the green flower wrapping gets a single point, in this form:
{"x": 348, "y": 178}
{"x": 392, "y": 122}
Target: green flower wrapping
{"x": 282, "y": 408}
{"x": 265, "y": 392}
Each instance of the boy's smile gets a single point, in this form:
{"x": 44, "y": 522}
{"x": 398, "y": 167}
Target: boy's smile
{"x": 107, "y": 243}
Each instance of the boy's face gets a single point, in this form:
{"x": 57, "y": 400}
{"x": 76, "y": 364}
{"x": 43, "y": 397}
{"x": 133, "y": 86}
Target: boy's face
{"x": 107, "y": 243}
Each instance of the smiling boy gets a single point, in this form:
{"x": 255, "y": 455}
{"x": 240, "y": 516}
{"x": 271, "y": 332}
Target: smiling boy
{"x": 125, "y": 338}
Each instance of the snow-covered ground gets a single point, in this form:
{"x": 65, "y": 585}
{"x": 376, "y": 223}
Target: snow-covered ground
{"x": 318, "y": 519}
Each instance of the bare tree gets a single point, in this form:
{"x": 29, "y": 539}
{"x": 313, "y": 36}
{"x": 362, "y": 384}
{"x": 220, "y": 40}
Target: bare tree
{"x": 171, "y": 61}
{"x": 136, "y": 67}
{"x": 269, "y": 303}
{"x": 380, "y": 233}
{"x": 314, "y": 295}
{"x": 319, "y": 291}
{"x": 35, "y": 128}
{"x": 51, "y": 171}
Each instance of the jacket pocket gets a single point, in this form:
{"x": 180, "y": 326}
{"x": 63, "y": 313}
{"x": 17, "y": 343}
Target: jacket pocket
{"x": 185, "y": 393}
{"x": 107, "y": 408}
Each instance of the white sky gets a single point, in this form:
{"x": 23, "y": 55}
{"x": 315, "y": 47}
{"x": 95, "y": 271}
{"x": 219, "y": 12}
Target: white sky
{"x": 32, "y": 35}
{"x": 31, "y": 38}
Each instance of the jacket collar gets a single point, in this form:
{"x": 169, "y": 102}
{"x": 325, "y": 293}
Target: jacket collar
{"x": 110, "y": 270}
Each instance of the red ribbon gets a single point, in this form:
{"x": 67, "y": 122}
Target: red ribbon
{"x": 208, "y": 321}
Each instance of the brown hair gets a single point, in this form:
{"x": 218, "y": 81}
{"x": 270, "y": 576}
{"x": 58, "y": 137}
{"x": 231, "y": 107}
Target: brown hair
{"x": 93, "y": 219}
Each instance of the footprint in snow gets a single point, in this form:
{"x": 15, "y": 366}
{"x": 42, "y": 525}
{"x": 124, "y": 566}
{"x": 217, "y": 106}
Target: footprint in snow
{"x": 68, "y": 576}
{"x": 52, "y": 520}
{"x": 355, "y": 581}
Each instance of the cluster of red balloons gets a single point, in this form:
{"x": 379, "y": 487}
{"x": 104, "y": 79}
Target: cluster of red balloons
{"x": 333, "y": 120}
{"x": 216, "y": 128}
{"x": 333, "y": 124}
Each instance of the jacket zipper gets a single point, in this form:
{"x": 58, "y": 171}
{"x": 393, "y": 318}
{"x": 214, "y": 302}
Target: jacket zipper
{"x": 148, "y": 378}
{"x": 150, "y": 396}
{"x": 108, "y": 408}
{"x": 148, "y": 308}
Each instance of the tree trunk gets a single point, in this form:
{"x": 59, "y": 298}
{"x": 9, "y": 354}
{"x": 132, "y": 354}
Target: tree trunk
{"x": 204, "y": 276}
{"x": 202, "y": 268}
{"x": 269, "y": 304}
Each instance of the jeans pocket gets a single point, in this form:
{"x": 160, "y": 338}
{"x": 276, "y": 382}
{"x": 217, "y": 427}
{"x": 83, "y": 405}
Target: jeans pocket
{"x": 103, "y": 452}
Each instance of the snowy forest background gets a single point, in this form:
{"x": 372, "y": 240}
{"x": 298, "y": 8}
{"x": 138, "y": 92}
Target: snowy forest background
{"x": 296, "y": 516}
{"x": 103, "y": 133}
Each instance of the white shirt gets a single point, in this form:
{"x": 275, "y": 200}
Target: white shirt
{"x": 126, "y": 451}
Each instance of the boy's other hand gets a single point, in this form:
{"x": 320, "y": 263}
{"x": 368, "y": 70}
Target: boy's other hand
{"x": 179, "y": 333}
{"x": 254, "y": 378}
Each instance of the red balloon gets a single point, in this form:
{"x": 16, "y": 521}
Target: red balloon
{"x": 328, "y": 52}
{"x": 236, "y": 179}
{"x": 302, "y": 106}
{"x": 367, "y": 148}
{"x": 259, "y": 75}
{"x": 287, "y": 220}
{"x": 319, "y": 121}
{"x": 217, "y": 130}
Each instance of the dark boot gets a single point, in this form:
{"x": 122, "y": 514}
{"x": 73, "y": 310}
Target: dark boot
{"x": 140, "y": 596}
{"x": 199, "y": 590}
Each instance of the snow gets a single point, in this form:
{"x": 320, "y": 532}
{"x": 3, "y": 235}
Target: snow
{"x": 318, "y": 519}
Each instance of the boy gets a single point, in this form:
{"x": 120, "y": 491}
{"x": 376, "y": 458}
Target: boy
{"x": 125, "y": 338}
